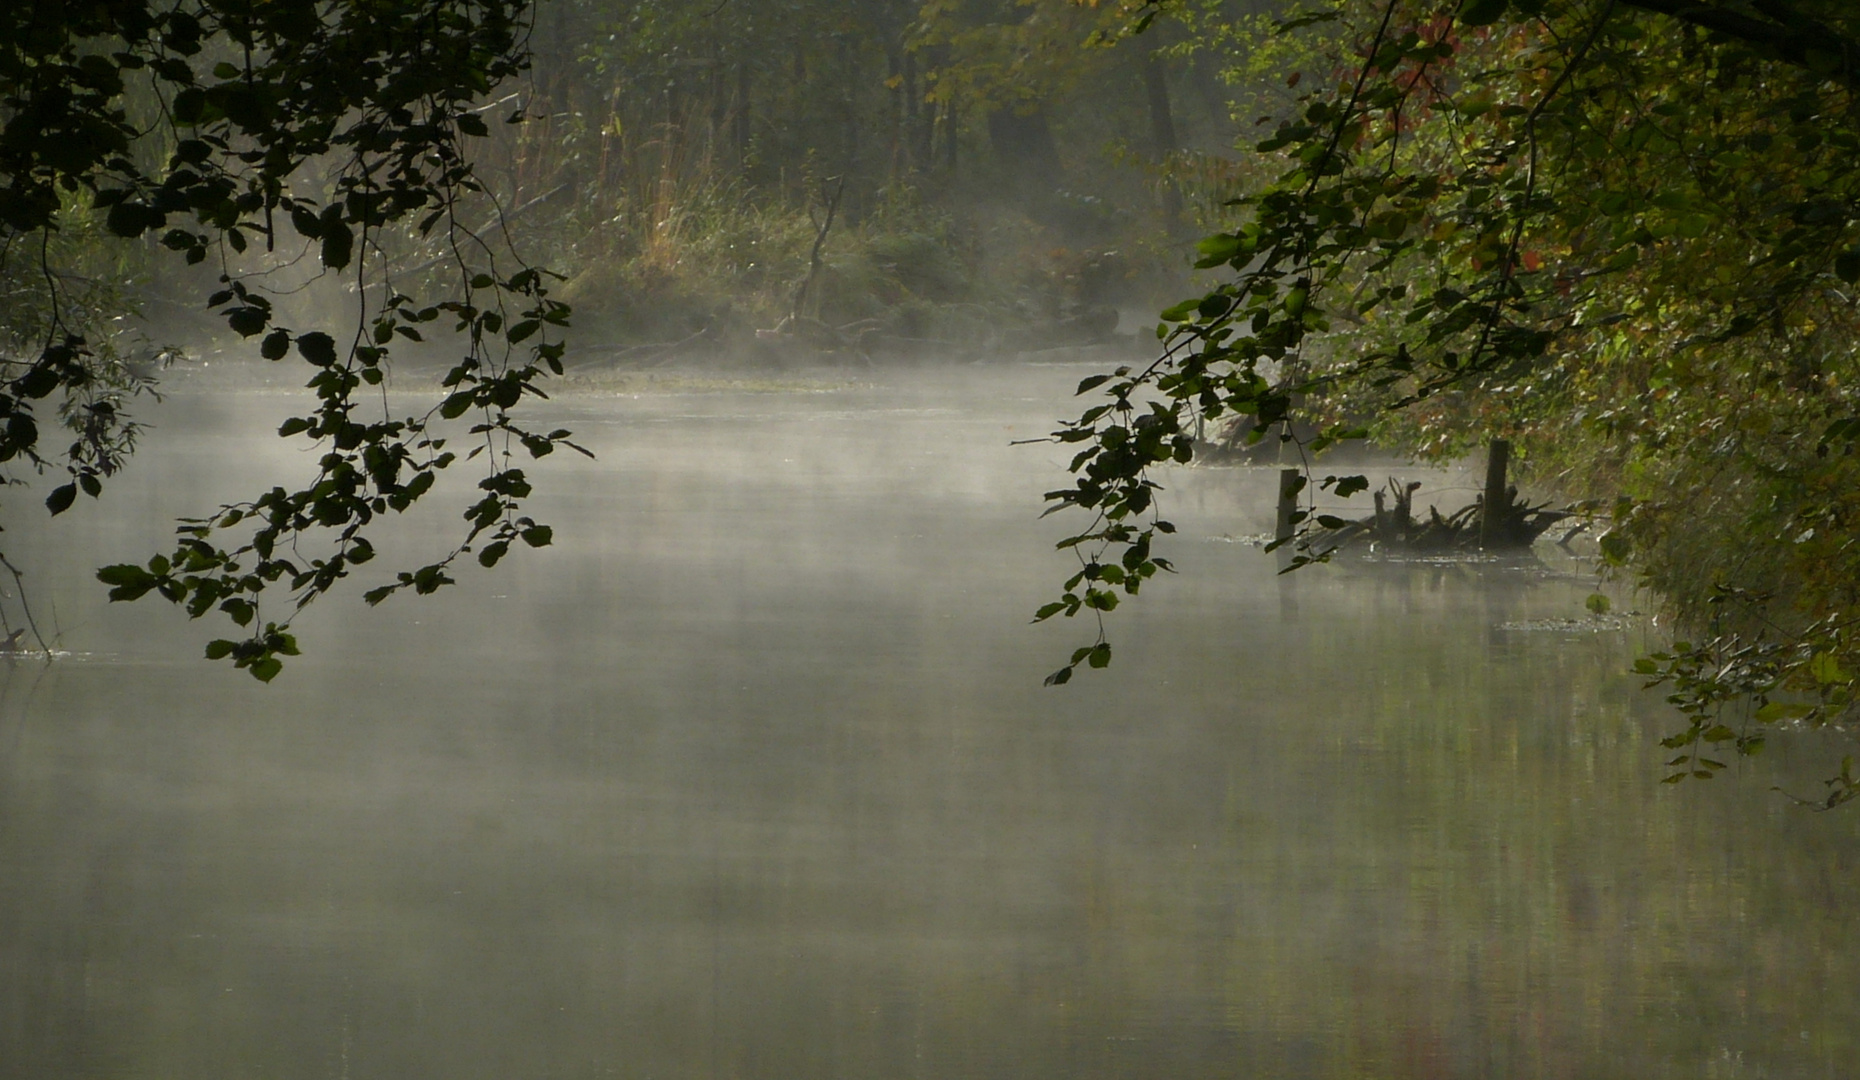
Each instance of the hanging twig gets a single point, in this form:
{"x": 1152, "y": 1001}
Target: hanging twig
{"x": 502, "y": 217}
{"x": 19, "y": 586}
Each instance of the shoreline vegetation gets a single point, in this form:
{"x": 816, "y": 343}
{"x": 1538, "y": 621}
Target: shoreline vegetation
{"x": 1622, "y": 237}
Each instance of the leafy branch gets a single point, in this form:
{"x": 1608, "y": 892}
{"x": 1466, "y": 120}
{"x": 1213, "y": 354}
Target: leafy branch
{"x": 381, "y": 92}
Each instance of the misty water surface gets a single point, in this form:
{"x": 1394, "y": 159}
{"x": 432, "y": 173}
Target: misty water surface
{"x": 751, "y": 776}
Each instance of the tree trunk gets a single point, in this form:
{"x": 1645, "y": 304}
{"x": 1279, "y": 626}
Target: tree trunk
{"x": 1162, "y": 117}
{"x": 896, "y": 166}
{"x": 742, "y": 114}
{"x": 937, "y": 123}
{"x": 916, "y": 150}
{"x": 1497, "y": 502}
{"x": 719, "y": 116}
{"x": 1162, "y": 136}
{"x": 949, "y": 137}
{"x": 849, "y": 107}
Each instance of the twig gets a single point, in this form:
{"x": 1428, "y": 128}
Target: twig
{"x": 19, "y": 584}
{"x": 813, "y": 258}
{"x": 486, "y": 227}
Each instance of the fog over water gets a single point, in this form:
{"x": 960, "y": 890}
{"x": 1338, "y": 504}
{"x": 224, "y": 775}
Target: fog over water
{"x": 751, "y": 775}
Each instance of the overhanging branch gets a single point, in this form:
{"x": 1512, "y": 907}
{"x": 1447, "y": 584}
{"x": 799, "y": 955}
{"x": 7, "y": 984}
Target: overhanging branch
{"x": 1792, "y": 37}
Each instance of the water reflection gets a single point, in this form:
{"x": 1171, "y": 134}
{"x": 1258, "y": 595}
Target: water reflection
{"x": 752, "y": 776}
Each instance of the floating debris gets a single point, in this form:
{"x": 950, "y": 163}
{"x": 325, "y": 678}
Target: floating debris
{"x": 1258, "y": 540}
{"x": 1497, "y": 520}
{"x": 1395, "y": 526}
{"x": 1590, "y": 624}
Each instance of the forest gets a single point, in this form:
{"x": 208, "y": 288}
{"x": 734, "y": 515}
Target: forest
{"x": 530, "y": 394}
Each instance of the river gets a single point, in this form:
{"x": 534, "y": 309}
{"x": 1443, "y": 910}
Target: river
{"x": 751, "y": 775}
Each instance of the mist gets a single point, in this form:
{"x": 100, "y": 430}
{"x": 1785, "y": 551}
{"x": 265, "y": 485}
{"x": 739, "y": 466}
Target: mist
{"x": 746, "y": 766}
{"x": 752, "y": 774}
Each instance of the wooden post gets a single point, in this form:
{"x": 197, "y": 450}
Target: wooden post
{"x": 1291, "y": 481}
{"x": 1492, "y": 516}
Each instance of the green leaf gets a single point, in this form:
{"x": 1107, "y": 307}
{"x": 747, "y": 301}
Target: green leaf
{"x": 247, "y": 320}
{"x": 219, "y": 649}
{"x": 239, "y": 611}
{"x": 1180, "y": 311}
{"x": 1776, "y": 711}
{"x": 454, "y": 407}
{"x": 338, "y": 241}
{"x": 305, "y": 221}
{"x": 317, "y": 347}
{"x": 36, "y": 383}
{"x": 1846, "y": 429}
{"x": 1615, "y": 547}
{"x": 124, "y": 574}
{"x": 132, "y": 219}
{"x": 131, "y": 582}
{"x": 1349, "y": 485}
{"x": 1217, "y": 249}
{"x": 275, "y": 345}
{"x": 61, "y": 498}
{"x": 1825, "y": 667}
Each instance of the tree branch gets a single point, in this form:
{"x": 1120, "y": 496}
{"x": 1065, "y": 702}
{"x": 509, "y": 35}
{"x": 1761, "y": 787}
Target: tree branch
{"x": 1793, "y": 38}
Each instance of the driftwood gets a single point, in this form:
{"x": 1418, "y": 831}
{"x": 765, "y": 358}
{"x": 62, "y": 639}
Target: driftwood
{"x": 1395, "y": 526}
{"x": 805, "y": 289}
{"x": 653, "y": 354}
{"x": 1496, "y": 521}
{"x": 864, "y": 338}
{"x": 799, "y": 329}
{"x": 878, "y": 343}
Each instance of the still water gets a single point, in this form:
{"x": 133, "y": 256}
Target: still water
{"x": 751, "y": 776}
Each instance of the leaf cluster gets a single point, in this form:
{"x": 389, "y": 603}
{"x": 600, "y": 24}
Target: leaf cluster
{"x": 282, "y": 126}
{"x": 1623, "y": 233}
